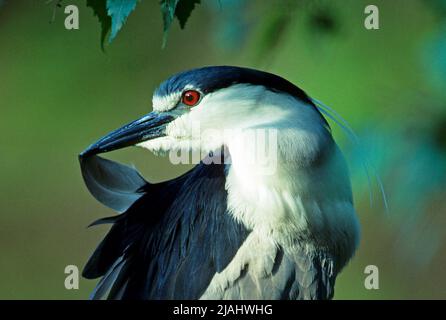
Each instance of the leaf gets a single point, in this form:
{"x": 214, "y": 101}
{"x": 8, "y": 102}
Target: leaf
{"x": 184, "y": 9}
{"x": 100, "y": 10}
{"x": 168, "y": 12}
{"x": 112, "y": 14}
{"x": 119, "y": 10}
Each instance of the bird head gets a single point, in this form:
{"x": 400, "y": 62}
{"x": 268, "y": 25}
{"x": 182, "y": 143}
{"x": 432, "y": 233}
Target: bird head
{"x": 210, "y": 107}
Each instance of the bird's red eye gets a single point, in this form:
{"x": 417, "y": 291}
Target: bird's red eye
{"x": 190, "y": 97}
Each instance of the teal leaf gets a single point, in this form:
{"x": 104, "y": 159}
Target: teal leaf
{"x": 100, "y": 11}
{"x": 168, "y": 8}
{"x": 119, "y": 10}
{"x": 184, "y": 9}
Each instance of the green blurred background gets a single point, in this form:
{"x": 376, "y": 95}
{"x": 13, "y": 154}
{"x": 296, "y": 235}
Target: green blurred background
{"x": 59, "y": 92}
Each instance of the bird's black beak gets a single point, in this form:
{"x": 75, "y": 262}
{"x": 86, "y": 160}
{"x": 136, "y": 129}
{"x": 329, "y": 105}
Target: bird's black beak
{"x": 152, "y": 125}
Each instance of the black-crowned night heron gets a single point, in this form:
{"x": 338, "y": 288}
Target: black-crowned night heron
{"x": 226, "y": 229}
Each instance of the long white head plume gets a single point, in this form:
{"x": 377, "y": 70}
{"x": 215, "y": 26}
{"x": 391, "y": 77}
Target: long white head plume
{"x": 343, "y": 124}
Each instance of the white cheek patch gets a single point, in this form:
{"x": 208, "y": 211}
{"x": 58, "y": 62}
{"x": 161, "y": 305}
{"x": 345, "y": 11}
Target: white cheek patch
{"x": 162, "y": 104}
{"x": 179, "y": 135}
{"x": 179, "y": 151}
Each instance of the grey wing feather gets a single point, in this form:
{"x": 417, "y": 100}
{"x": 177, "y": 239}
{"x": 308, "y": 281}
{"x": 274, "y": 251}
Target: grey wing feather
{"x": 291, "y": 274}
{"x": 113, "y": 184}
{"x": 107, "y": 280}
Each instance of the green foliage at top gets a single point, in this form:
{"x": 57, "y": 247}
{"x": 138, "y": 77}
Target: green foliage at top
{"x": 183, "y": 11}
{"x": 100, "y": 11}
{"x": 112, "y": 14}
{"x": 180, "y": 9}
{"x": 168, "y": 11}
{"x": 119, "y": 10}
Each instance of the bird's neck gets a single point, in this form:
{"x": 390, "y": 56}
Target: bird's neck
{"x": 307, "y": 194}
{"x": 262, "y": 193}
